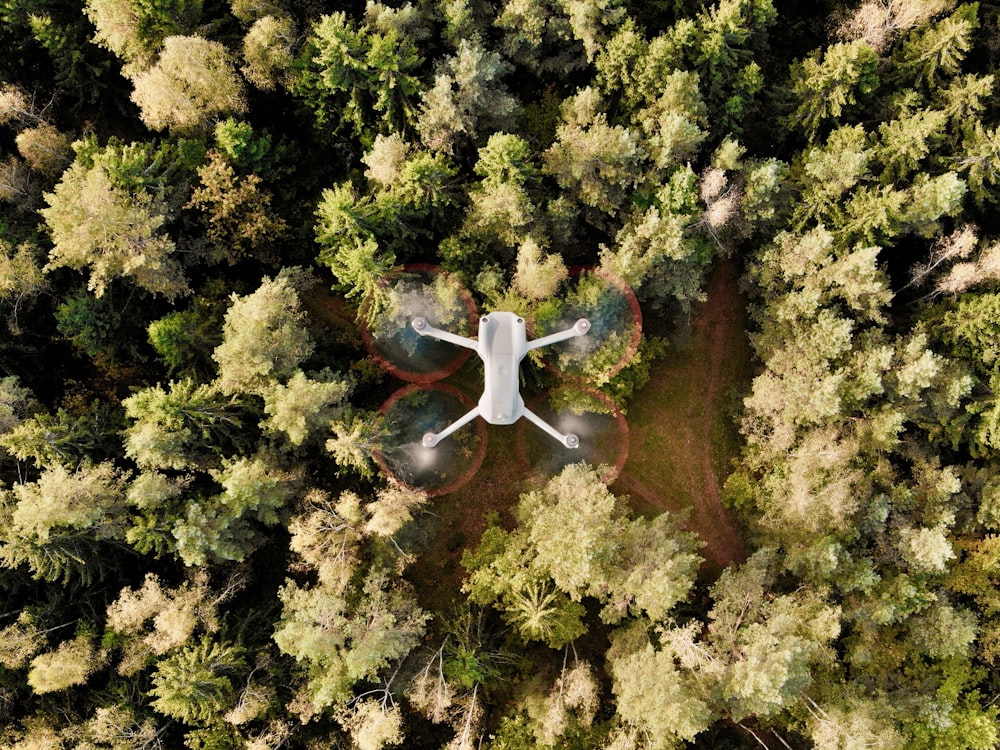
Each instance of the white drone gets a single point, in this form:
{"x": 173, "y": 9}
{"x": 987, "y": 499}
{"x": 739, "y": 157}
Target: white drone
{"x": 503, "y": 343}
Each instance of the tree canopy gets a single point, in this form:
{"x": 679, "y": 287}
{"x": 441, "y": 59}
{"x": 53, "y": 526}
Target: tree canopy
{"x": 209, "y": 211}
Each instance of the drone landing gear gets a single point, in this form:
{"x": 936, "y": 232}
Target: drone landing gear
{"x": 431, "y": 439}
{"x": 569, "y": 440}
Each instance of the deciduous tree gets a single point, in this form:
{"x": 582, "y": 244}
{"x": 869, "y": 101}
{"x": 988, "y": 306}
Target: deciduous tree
{"x": 111, "y": 231}
{"x": 192, "y": 84}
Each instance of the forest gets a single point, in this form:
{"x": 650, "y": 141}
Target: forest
{"x": 205, "y": 206}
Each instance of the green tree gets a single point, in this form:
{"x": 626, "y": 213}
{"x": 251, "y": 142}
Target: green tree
{"x": 264, "y": 337}
{"x": 938, "y": 50}
{"x": 575, "y": 539}
{"x": 195, "y": 685}
{"x": 356, "y": 437}
{"x": 305, "y": 405}
{"x": 226, "y": 526}
{"x": 352, "y": 72}
{"x": 61, "y": 438}
{"x": 828, "y": 82}
{"x": 360, "y": 616}
{"x": 185, "y": 339}
{"x": 467, "y": 99}
{"x": 595, "y": 161}
{"x": 653, "y": 694}
{"x": 111, "y": 231}
{"x": 181, "y": 426}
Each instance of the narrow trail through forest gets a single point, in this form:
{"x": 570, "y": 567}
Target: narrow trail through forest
{"x": 682, "y": 437}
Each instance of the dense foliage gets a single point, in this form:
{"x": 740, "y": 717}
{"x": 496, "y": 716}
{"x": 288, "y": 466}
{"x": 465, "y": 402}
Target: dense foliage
{"x": 196, "y": 549}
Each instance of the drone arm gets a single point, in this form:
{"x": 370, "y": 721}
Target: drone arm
{"x": 569, "y": 440}
{"x": 421, "y": 326}
{"x": 580, "y": 328}
{"x": 431, "y": 439}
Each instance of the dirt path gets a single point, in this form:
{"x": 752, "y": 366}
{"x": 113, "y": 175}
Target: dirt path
{"x": 681, "y": 436}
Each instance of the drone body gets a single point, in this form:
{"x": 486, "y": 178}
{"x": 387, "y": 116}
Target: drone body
{"x": 502, "y": 344}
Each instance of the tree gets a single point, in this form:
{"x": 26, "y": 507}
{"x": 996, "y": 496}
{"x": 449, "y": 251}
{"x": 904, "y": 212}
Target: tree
{"x": 373, "y": 725}
{"x": 154, "y": 620}
{"x": 195, "y": 685}
{"x": 981, "y": 160}
{"x": 878, "y": 23}
{"x": 538, "y": 274}
{"x": 346, "y": 635}
{"x": 827, "y": 82}
{"x": 55, "y": 524}
{"x": 304, "y": 405}
{"x": 572, "y": 702}
{"x": 20, "y": 641}
{"x": 356, "y": 437}
{"x": 594, "y": 160}
{"x": 583, "y": 541}
{"x": 652, "y": 693}
{"x": 191, "y": 85}
{"x": 226, "y": 526}
{"x": 655, "y": 250}
{"x": 63, "y": 438}
{"x": 112, "y": 231}
{"x": 467, "y": 98}
{"x": 185, "y": 339}
{"x": 180, "y": 426}
{"x": 134, "y": 30}
{"x": 237, "y": 212}
{"x": 45, "y": 149}
{"x": 264, "y": 337}
{"x": 15, "y": 403}
{"x": 940, "y": 48}
{"x": 908, "y": 140}
{"x": 575, "y": 539}
{"x": 70, "y": 664}
{"x": 350, "y": 71}
{"x": 269, "y": 51}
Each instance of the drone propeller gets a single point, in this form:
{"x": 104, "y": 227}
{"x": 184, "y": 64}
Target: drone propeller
{"x": 416, "y": 410}
{"x": 604, "y": 438}
{"x": 436, "y": 296}
{"x": 612, "y": 309}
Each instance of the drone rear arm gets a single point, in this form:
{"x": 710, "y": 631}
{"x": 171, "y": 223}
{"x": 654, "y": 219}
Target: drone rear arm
{"x": 581, "y": 327}
{"x": 421, "y": 326}
{"x": 569, "y": 440}
{"x": 431, "y": 439}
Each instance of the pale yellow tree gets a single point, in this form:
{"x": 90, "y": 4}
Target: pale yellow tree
{"x": 110, "y": 231}
{"x": 269, "y": 51}
{"x": 70, "y": 664}
{"x": 192, "y": 84}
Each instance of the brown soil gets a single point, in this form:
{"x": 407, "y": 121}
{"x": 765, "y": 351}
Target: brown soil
{"x": 682, "y": 438}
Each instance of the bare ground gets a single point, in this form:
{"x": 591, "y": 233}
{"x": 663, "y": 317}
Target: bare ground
{"x": 682, "y": 438}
